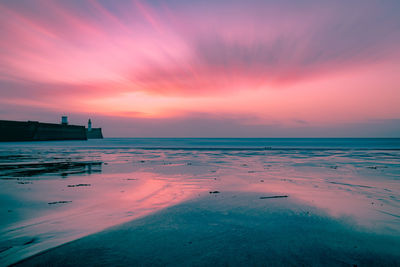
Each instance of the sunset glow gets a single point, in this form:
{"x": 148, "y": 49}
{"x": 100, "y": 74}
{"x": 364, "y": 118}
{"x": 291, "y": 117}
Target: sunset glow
{"x": 278, "y": 68}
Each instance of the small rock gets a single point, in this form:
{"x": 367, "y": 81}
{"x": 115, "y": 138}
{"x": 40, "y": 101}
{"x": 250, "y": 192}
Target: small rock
{"x": 274, "y": 197}
{"x": 30, "y": 241}
{"x": 59, "y": 202}
{"x": 77, "y": 185}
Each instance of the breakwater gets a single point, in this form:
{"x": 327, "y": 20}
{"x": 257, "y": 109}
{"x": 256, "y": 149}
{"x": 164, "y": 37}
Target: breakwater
{"x": 38, "y": 131}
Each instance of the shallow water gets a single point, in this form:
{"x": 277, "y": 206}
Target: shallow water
{"x": 55, "y": 192}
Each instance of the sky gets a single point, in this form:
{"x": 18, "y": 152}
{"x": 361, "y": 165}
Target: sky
{"x": 181, "y": 68}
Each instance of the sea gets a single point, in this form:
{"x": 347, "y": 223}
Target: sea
{"x": 54, "y": 192}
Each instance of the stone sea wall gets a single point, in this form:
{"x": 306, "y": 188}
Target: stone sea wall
{"x": 37, "y": 131}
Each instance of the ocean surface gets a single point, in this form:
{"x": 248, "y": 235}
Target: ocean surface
{"x": 217, "y": 143}
{"x": 55, "y": 192}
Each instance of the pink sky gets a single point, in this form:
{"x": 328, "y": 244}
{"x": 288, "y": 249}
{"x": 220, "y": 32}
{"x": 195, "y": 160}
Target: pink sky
{"x": 204, "y": 68}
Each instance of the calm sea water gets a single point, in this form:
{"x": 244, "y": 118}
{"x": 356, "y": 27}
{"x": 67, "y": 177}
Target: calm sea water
{"x": 221, "y": 143}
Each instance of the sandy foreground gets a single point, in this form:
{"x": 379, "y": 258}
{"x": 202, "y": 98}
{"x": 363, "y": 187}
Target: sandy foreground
{"x": 230, "y": 229}
{"x": 67, "y": 204}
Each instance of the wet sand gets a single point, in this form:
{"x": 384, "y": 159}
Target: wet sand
{"x": 230, "y": 229}
{"x": 52, "y": 194}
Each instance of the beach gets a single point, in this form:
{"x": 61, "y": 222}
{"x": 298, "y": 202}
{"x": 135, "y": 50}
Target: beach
{"x": 199, "y": 202}
{"x": 199, "y": 133}
{"x": 230, "y": 229}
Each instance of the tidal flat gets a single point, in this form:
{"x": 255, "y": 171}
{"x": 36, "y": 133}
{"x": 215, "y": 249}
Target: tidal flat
{"x": 200, "y": 202}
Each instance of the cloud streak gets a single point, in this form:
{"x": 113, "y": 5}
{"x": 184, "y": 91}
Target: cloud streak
{"x": 99, "y": 55}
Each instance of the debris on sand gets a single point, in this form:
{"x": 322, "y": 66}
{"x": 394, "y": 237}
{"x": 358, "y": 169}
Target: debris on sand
{"x": 40, "y": 168}
{"x": 355, "y": 185}
{"x": 376, "y": 167}
{"x": 32, "y": 240}
{"x": 59, "y": 202}
{"x": 77, "y": 185}
{"x": 274, "y": 197}
{"x": 214, "y": 192}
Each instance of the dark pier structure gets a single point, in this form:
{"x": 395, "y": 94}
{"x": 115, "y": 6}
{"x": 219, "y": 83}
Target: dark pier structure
{"x": 93, "y": 133}
{"x": 11, "y": 131}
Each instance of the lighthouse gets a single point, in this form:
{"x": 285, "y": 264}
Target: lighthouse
{"x": 93, "y": 133}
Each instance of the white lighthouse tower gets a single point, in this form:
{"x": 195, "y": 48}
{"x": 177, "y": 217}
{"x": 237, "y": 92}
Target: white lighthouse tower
{"x": 93, "y": 133}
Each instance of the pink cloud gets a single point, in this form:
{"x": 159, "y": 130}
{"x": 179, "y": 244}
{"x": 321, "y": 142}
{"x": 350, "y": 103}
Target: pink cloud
{"x": 93, "y": 53}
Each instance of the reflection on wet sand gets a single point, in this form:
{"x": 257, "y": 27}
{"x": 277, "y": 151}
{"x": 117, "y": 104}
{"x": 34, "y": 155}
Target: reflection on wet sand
{"x": 57, "y": 199}
{"x": 75, "y": 211}
{"x": 229, "y": 229}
